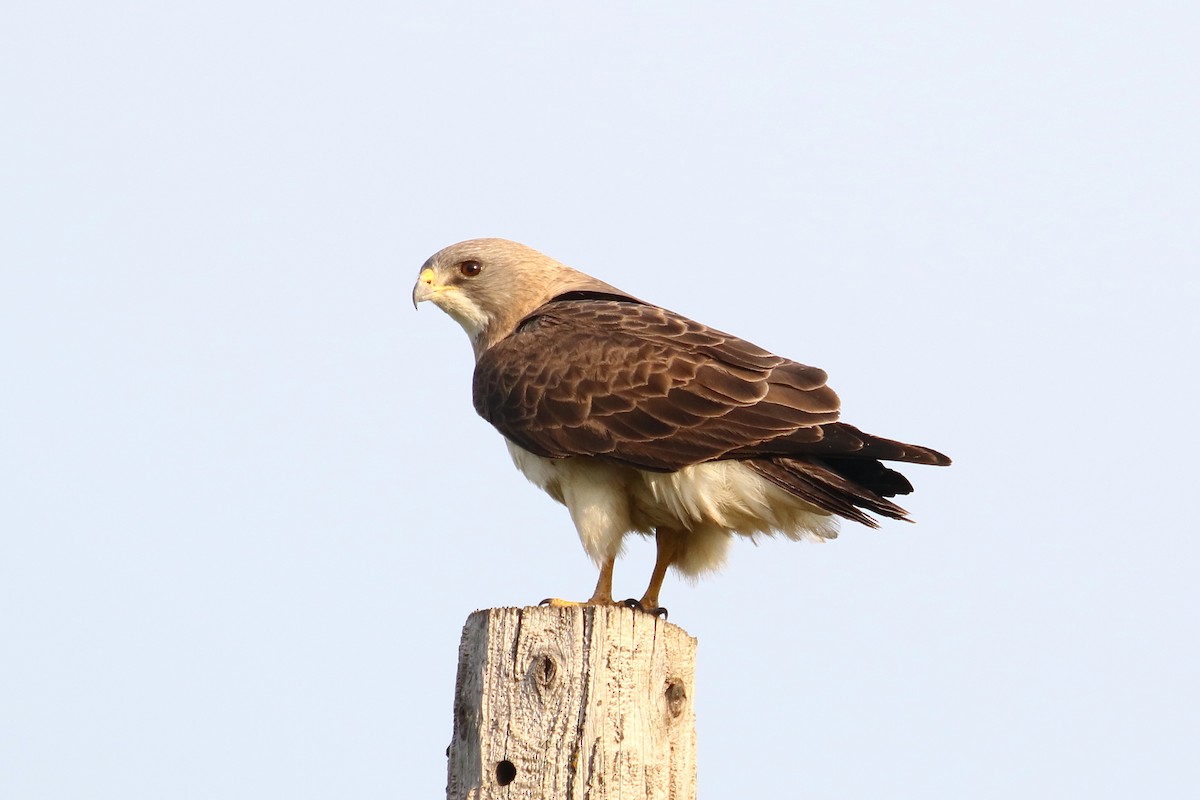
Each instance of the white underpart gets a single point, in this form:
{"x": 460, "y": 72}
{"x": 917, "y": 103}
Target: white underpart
{"x": 707, "y": 502}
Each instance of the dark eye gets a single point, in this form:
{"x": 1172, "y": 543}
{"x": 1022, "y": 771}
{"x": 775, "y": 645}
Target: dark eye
{"x": 470, "y": 269}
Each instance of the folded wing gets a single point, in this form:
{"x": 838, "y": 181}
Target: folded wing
{"x": 619, "y": 379}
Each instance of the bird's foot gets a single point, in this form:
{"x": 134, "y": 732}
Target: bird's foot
{"x": 640, "y": 605}
{"x": 557, "y": 602}
{"x": 636, "y": 605}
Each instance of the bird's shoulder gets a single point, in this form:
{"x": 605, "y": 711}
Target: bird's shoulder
{"x": 603, "y": 323}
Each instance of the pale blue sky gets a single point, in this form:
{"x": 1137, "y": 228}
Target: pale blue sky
{"x": 246, "y": 506}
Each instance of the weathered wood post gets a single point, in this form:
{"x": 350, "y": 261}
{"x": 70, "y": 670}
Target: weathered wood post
{"x": 567, "y": 703}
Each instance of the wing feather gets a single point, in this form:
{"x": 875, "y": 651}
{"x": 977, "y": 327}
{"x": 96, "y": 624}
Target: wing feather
{"x": 825, "y": 487}
{"x": 615, "y": 378}
{"x": 644, "y": 386}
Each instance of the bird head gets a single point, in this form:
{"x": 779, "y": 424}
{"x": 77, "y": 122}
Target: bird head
{"x": 489, "y": 285}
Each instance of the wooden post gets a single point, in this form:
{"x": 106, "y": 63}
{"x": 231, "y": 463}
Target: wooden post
{"x": 568, "y": 703}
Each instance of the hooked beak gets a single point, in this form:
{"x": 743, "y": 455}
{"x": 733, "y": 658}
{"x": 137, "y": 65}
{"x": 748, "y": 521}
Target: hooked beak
{"x": 424, "y": 290}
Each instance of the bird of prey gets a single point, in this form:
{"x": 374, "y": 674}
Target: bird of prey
{"x": 640, "y": 420}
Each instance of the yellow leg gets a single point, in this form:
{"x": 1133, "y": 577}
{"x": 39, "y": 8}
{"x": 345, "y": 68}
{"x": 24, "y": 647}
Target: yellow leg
{"x": 601, "y": 597}
{"x": 603, "y": 594}
{"x": 667, "y": 544}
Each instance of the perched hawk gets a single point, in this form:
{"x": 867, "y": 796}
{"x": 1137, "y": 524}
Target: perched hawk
{"x": 639, "y": 420}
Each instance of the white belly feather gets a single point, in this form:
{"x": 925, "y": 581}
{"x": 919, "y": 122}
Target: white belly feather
{"x": 707, "y": 501}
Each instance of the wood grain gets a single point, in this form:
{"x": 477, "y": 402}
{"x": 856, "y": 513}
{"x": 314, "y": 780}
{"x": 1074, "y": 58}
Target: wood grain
{"x": 573, "y": 702}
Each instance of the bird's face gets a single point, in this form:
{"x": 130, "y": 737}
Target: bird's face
{"x": 489, "y": 285}
{"x": 448, "y": 281}
{"x": 486, "y": 285}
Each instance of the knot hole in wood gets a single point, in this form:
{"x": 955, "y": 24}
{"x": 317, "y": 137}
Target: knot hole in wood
{"x": 543, "y": 670}
{"x": 676, "y": 697}
{"x": 506, "y": 772}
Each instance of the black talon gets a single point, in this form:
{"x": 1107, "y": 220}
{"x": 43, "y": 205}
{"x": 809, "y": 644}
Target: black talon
{"x": 546, "y": 602}
{"x": 636, "y": 605}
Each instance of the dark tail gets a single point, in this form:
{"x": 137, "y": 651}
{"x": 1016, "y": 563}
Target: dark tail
{"x": 843, "y": 473}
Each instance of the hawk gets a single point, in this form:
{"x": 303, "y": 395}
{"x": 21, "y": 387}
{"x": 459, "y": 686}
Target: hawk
{"x": 640, "y": 420}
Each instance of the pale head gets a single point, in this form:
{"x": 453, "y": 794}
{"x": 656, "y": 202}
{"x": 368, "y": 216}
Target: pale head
{"x": 489, "y": 285}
